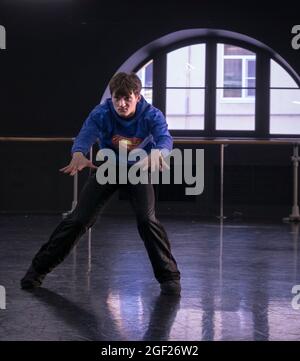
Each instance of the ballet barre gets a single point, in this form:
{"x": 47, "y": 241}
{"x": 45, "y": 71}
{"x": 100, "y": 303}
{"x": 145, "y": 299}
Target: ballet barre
{"x": 295, "y": 142}
{"x": 295, "y": 215}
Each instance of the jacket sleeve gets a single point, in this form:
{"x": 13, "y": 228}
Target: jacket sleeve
{"x": 89, "y": 132}
{"x": 160, "y": 133}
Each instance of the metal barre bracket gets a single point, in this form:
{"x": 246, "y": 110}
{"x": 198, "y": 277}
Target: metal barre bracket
{"x": 295, "y": 215}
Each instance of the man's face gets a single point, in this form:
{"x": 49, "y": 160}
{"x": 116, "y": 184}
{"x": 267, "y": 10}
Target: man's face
{"x": 125, "y": 106}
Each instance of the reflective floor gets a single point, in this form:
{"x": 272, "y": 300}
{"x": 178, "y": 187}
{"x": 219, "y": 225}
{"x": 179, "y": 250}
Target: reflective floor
{"x": 237, "y": 282}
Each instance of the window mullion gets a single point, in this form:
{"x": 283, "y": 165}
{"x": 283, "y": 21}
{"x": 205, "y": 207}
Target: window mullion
{"x": 160, "y": 81}
{"x": 210, "y": 88}
{"x": 262, "y": 100}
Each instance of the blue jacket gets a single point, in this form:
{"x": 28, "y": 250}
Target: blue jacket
{"x": 147, "y": 129}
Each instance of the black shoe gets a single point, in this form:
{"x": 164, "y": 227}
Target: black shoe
{"x": 32, "y": 279}
{"x": 171, "y": 287}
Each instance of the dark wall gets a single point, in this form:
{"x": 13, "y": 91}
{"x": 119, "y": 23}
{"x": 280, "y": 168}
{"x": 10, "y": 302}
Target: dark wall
{"x": 60, "y": 56}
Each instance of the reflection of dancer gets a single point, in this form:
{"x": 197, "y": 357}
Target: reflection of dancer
{"x": 128, "y": 117}
{"x": 83, "y": 322}
{"x": 93, "y": 323}
{"x": 162, "y": 318}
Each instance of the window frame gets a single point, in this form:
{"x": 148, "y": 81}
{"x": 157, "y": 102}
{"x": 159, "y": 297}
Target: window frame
{"x": 262, "y": 88}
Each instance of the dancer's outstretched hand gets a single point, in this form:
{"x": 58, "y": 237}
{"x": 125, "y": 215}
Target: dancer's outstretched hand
{"x": 78, "y": 162}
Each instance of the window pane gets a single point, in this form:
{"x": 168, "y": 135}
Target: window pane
{"x": 147, "y": 94}
{"x": 250, "y": 92}
{"x": 185, "y": 108}
{"x": 232, "y": 73}
{"x": 234, "y": 115}
{"x": 251, "y": 68}
{"x": 280, "y": 77}
{"x": 186, "y": 67}
{"x": 146, "y": 74}
{"x": 250, "y": 83}
{"x": 285, "y": 111}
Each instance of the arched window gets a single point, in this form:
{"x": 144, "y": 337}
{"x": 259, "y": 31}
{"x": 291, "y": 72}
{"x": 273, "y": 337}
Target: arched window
{"x": 219, "y": 83}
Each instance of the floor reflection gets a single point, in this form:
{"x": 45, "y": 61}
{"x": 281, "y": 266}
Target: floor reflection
{"x": 237, "y": 281}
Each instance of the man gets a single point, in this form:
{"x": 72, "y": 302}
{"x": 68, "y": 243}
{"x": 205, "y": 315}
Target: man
{"x": 128, "y": 119}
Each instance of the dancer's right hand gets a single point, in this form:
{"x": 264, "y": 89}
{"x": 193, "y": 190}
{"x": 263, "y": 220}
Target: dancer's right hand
{"x": 78, "y": 162}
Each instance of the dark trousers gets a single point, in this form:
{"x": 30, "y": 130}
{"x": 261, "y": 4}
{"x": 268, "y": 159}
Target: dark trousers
{"x": 92, "y": 199}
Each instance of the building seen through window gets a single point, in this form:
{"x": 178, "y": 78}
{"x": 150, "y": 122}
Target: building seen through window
{"x": 235, "y": 95}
